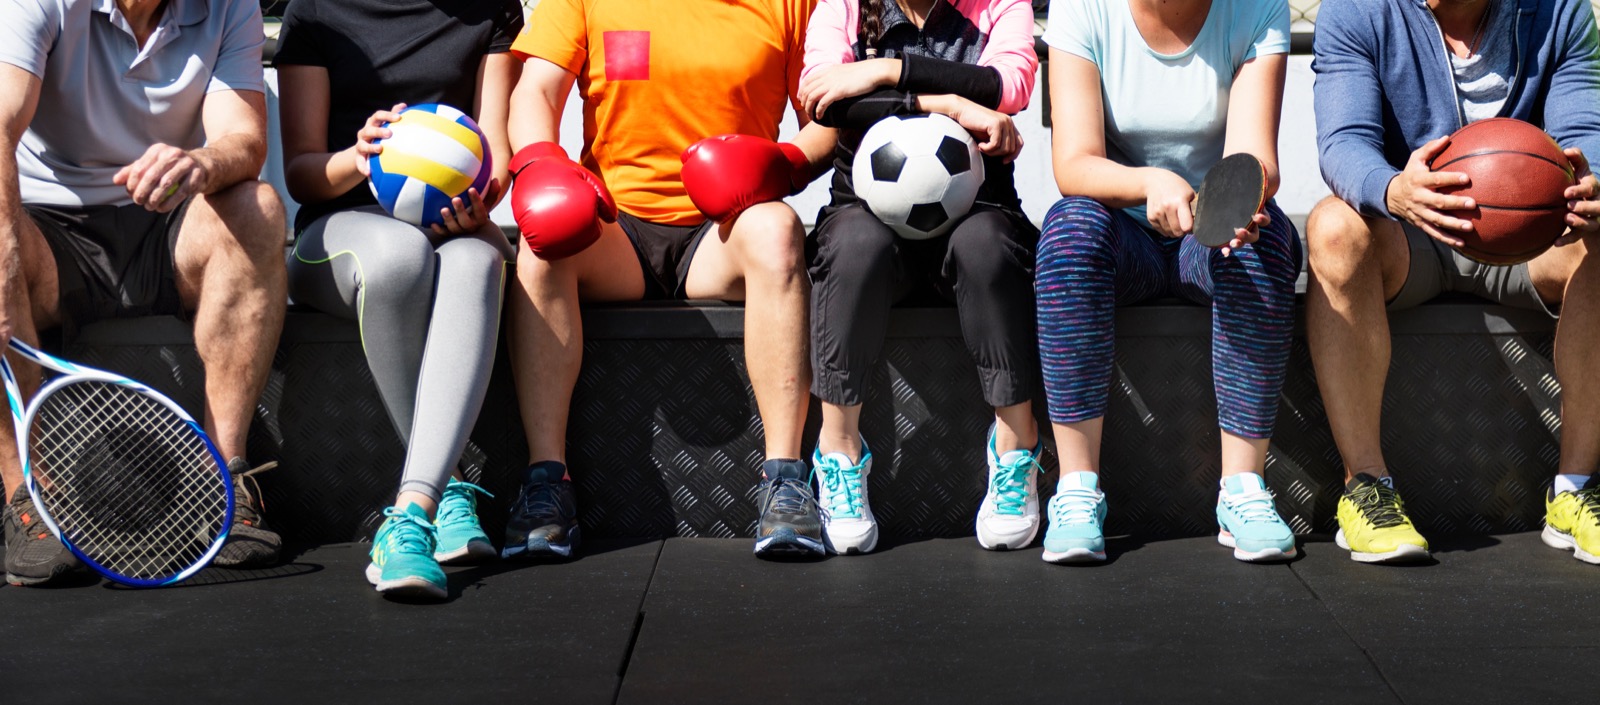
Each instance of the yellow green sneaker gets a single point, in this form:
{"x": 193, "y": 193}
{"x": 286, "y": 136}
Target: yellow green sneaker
{"x": 1572, "y": 522}
{"x": 1373, "y": 524}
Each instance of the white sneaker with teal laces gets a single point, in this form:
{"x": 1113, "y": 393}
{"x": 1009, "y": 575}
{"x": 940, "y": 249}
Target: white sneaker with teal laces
{"x": 1248, "y": 521}
{"x": 1008, "y": 519}
{"x": 848, "y": 527}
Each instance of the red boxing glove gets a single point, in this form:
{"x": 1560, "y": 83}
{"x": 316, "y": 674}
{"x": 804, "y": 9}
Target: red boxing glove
{"x": 558, "y": 204}
{"x": 726, "y": 174}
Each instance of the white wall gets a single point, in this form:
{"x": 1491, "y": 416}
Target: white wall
{"x": 1302, "y": 184}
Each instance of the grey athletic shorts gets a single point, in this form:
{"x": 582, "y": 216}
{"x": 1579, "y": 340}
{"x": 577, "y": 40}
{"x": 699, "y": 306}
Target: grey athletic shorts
{"x": 1436, "y": 269}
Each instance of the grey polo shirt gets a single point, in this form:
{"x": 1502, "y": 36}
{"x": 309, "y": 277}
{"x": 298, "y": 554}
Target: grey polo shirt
{"x": 104, "y": 100}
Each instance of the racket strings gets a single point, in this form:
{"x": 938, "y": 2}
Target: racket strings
{"x": 126, "y": 480}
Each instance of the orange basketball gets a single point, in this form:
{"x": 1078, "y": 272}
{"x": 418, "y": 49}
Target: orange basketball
{"x": 1518, "y": 177}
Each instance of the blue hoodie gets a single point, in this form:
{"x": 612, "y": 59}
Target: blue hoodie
{"x": 1384, "y": 86}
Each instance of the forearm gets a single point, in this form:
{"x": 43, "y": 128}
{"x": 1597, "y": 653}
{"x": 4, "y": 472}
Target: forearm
{"x": 979, "y": 84}
{"x": 864, "y": 111}
{"x": 1103, "y": 180}
{"x": 11, "y": 215}
{"x": 535, "y": 116}
{"x": 322, "y": 176}
{"x": 230, "y": 159}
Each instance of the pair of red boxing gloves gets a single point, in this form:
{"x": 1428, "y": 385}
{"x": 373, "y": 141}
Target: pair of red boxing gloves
{"x": 559, "y": 204}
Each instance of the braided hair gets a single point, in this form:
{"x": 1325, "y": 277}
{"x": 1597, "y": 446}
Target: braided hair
{"x": 870, "y": 28}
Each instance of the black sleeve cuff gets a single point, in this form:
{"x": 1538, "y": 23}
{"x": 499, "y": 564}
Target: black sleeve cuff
{"x": 863, "y": 111}
{"x": 979, "y": 84}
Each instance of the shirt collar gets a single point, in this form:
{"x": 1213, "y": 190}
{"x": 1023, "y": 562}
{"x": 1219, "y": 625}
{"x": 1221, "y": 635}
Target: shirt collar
{"x": 187, "y": 12}
{"x": 893, "y": 15}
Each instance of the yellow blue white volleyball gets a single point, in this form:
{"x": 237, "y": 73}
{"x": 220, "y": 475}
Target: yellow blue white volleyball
{"x": 434, "y": 154}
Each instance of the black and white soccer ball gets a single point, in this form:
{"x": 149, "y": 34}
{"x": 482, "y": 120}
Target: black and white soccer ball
{"x": 919, "y": 174}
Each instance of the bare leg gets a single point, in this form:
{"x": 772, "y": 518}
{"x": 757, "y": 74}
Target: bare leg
{"x": 36, "y": 306}
{"x": 841, "y": 430}
{"x": 1241, "y": 454}
{"x": 230, "y": 269}
{"x": 1356, "y": 265}
{"x": 546, "y": 330}
{"x": 1568, "y": 274}
{"x": 1078, "y": 444}
{"x": 1015, "y": 428}
{"x": 759, "y": 259}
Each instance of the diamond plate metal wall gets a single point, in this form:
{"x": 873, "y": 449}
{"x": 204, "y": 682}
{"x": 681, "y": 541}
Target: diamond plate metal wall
{"x": 665, "y": 439}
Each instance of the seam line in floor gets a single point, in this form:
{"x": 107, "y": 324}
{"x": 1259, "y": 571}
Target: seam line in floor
{"x": 638, "y": 624}
{"x": 1359, "y": 646}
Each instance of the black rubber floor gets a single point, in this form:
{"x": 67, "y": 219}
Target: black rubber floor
{"x": 1497, "y": 619}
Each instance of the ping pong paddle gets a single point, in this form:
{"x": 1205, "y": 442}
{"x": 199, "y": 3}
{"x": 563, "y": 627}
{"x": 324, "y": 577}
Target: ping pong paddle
{"x": 1231, "y": 194}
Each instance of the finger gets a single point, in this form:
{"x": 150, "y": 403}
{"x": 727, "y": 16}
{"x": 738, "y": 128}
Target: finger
{"x": 1228, "y": 249}
{"x": 1444, "y": 222}
{"x": 1244, "y": 236}
{"x": 1581, "y": 224}
{"x": 479, "y": 208}
{"x": 1427, "y": 152}
{"x": 441, "y": 232}
{"x": 1434, "y": 233}
{"x": 1185, "y": 220}
{"x": 1439, "y": 179}
{"x": 1443, "y": 201}
{"x": 121, "y": 177}
{"x": 1580, "y": 163}
{"x": 451, "y": 227}
{"x": 1261, "y": 220}
{"x": 1585, "y": 188}
{"x": 1584, "y": 208}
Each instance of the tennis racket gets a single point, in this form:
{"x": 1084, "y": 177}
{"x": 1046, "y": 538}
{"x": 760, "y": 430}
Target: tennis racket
{"x": 120, "y": 473}
{"x": 1233, "y": 192}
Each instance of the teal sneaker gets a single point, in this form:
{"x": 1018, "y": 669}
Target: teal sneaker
{"x": 402, "y": 556}
{"x": 461, "y": 537}
{"x": 1248, "y": 522}
{"x": 848, "y": 527}
{"x": 1077, "y": 520}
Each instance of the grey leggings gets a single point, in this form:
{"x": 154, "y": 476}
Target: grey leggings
{"x": 429, "y": 314}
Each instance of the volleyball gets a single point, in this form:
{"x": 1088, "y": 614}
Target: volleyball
{"x": 435, "y": 154}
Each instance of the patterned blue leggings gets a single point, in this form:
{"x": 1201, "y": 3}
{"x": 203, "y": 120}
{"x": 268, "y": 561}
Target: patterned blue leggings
{"x": 1093, "y": 259}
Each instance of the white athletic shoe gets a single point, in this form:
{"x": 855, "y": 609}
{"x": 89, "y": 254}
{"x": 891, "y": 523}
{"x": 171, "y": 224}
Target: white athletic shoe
{"x": 1008, "y": 519}
{"x": 848, "y": 527}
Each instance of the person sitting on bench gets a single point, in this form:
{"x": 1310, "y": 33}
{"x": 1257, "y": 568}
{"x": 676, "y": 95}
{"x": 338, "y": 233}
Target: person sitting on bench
{"x": 1383, "y": 240}
{"x": 135, "y": 131}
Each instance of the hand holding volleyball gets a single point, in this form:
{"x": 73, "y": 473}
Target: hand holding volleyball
{"x": 422, "y": 160}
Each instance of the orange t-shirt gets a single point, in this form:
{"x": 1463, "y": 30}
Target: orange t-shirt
{"x": 659, "y": 75}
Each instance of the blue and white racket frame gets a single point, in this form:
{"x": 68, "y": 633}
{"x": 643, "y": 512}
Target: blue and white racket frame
{"x": 22, "y": 417}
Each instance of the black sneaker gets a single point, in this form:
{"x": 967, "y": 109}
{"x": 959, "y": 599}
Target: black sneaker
{"x": 791, "y": 526}
{"x": 251, "y": 544}
{"x": 34, "y": 556}
{"x": 544, "y": 520}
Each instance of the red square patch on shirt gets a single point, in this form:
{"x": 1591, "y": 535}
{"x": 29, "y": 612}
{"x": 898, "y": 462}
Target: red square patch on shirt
{"x": 627, "y": 55}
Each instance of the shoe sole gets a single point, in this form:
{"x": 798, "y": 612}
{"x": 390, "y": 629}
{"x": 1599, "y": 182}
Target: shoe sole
{"x": 1074, "y": 555}
{"x": 1406, "y": 553}
{"x": 1265, "y": 555}
{"x": 59, "y": 572}
{"x": 789, "y": 546}
{"x": 989, "y": 543}
{"x": 544, "y": 549}
{"x": 404, "y": 587}
{"x": 1564, "y": 541}
{"x": 474, "y": 551}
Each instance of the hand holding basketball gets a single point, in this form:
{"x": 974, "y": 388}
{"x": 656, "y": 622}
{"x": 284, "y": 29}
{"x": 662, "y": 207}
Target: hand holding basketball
{"x": 1414, "y": 196}
{"x": 371, "y": 132}
{"x": 1583, "y": 200}
{"x": 1168, "y": 200}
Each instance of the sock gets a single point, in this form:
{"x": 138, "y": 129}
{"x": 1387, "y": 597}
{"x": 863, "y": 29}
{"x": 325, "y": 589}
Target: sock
{"x": 1086, "y": 479}
{"x": 1568, "y": 483}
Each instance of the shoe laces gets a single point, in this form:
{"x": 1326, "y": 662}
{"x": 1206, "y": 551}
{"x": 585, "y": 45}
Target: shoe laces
{"x": 1074, "y": 506}
{"x": 453, "y": 512}
{"x": 1253, "y": 506}
{"x": 1589, "y": 498}
{"x": 1380, "y": 504}
{"x": 844, "y": 490}
{"x": 791, "y": 496}
{"x": 409, "y": 534}
{"x": 253, "y": 504}
{"x": 540, "y": 500}
{"x": 1011, "y": 484}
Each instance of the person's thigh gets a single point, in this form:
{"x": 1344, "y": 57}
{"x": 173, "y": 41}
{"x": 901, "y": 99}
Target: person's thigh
{"x": 766, "y": 237}
{"x": 1549, "y": 273}
{"x": 43, "y": 266}
{"x": 343, "y": 256}
{"x": 239, "y": 229}
{"x": 608, "y": 270}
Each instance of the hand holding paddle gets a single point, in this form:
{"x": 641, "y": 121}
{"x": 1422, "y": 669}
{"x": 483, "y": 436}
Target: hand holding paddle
{"x": 1227, "y": 212}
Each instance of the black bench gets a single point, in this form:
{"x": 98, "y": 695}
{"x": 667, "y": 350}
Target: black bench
{"x": 664, "y": 438}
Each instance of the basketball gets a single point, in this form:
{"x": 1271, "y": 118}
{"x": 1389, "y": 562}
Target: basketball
{"x": 1518, "y": 178}
{"x": 435, "y": 154}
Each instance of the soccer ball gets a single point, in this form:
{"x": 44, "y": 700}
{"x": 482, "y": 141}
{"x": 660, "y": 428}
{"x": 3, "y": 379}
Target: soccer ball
{"x": 435, "y": 153}
{"x": 918, "y": 174}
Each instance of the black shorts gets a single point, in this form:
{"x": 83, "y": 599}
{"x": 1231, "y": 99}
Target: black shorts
{"x": 664, "y": 253}
{"x": 112, "y": 261}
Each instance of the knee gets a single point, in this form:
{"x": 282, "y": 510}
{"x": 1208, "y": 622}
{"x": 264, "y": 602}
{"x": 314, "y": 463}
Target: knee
{"x": 1338, "y": 239}
{"x": 1077, "y": 228}
{"x": 470, "y": 257}
{"x": 772, "y": 240}
{"x": 252, "y": 214}
{"x": 984, "y": 249}
{"x": 855, "y": 244}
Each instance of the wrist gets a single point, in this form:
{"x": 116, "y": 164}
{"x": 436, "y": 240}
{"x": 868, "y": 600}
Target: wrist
{"x": 889, "y": 77}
